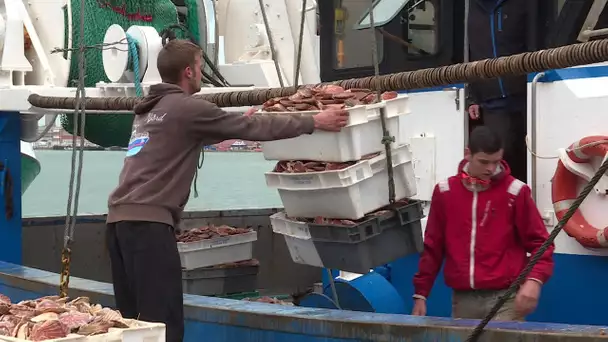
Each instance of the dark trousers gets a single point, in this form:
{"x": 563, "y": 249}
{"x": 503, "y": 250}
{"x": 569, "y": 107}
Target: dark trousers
{"x": 146, "y": 273}
{"x": 511, "y": 126}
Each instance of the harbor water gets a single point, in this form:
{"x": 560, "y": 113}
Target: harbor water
{"x": 227, "y": 180}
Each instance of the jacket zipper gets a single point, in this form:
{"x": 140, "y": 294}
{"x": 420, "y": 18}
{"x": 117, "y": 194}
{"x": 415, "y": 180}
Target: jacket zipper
{"x": 473, "y": 238}
{"x": 499, "y": 18}
{"x": 493, "y": 36}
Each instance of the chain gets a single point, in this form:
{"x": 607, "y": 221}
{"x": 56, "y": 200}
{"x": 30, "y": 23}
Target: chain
{"x": 64, "y": 276}
{"x": 75, "y": 172}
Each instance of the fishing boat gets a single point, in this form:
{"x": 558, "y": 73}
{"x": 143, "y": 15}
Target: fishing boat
{"x": 30, "y": 165}
{"x": 255, "y": 44}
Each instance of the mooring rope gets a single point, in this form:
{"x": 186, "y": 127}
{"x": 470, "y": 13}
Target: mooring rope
{"x": 521, "y": 64}
{"x": 76, "y": 170}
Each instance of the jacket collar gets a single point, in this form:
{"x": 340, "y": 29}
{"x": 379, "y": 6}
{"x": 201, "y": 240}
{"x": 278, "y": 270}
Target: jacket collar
{"x": 502, "y": 170}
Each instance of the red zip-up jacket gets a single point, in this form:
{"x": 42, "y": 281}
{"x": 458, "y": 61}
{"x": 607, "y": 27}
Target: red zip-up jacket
{"x": 483, "y": 234}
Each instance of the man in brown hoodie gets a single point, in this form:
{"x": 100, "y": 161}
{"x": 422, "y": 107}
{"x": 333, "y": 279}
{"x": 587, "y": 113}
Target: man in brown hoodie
{"x": 169, "y": 131}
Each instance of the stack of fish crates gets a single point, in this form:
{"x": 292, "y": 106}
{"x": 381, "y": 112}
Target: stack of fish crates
{"x": 219, "y": 265}
{"x": 334, "y": 189}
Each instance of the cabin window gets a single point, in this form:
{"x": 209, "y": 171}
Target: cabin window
{"x": 411, "y": 35}
{"x": 420, "y": 20}
{"x": 352, "y": 42}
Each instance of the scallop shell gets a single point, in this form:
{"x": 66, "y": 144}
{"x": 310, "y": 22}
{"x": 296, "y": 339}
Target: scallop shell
{"x": 94, "y": 328}
{"x": 6, "y": 328}
{"x": 52, "y": 317}
{"x": 47, "y": 316}
{"x": 4, "y": 299}
{"x": 74, "y": 320}
{"x": 48, "y": 330}
{"x": 48, "y": 305}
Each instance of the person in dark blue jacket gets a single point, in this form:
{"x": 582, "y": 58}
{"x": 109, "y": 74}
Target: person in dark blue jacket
{"x": 502, "y": 28}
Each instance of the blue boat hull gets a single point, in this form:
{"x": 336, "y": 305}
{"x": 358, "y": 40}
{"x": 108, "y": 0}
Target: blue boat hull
{"x": 216, "y": 319}
{"x": 573, "y": 295}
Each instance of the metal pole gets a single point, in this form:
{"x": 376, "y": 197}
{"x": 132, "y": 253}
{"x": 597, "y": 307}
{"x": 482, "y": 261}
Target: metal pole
{"x": 532, "y": 132}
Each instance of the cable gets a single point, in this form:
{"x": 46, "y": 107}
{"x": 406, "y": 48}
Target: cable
{"x": 543, "y": 248}
{"x": 74, "y": 194}
{"x": 533, "y": 153}
{"x": 301, "y": 38}
{"x": 273, "y": 52}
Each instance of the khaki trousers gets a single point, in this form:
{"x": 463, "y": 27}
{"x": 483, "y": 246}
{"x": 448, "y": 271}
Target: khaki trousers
{"x": 476, "y": 304}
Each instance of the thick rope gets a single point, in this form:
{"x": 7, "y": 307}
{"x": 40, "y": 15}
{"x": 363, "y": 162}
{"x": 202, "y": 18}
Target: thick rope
{"x": 74, "y": 194}
{"x": 521, "y": 64}
{"x": 543, "y": 248}
{"x": 134, "y": 64}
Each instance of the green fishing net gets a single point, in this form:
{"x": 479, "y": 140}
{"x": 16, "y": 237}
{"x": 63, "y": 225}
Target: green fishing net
{"x": 113, "y": 129}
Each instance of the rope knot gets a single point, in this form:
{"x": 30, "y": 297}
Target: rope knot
{"x": 388, "y": 139}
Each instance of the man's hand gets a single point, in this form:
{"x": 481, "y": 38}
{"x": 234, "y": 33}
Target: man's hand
{"x": 419, "y": 307}
{"x": 527, "y": 298}
{"x": 331, "y": 120}
{"x": 250, "y": 111}
{"x": 474, "y": 112}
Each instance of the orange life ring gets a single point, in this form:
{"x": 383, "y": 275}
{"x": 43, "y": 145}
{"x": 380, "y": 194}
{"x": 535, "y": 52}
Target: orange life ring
{"x": 564, "y": 192}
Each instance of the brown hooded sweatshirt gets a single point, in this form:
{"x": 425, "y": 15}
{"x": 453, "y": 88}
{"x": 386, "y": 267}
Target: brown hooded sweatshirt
{"x": 169, "y": 131}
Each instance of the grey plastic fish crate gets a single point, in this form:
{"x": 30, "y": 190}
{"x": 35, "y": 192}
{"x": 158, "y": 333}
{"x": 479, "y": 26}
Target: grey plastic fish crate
{"x": 409, "y": 213}
{"x": 211, "y": 281}
{"x": 371, "y": 243}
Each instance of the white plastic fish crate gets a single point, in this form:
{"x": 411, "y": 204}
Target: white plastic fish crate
{"x": 219, "y": 250}
{"x": 349, "y": 193}
{"x": 143, "y": 332}
{"x": 281, "y": 224}
{"x": 363, "y": 135}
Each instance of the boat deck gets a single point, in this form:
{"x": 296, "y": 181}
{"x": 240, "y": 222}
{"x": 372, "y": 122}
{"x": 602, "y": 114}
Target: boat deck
{"x": 220, "y": 319}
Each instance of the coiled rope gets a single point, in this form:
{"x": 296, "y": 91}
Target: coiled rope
{"x": 521, "y": 64}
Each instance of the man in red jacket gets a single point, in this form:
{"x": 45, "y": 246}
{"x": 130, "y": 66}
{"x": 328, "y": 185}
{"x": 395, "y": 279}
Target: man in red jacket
{"x": 483, "y": 222}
